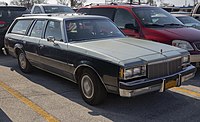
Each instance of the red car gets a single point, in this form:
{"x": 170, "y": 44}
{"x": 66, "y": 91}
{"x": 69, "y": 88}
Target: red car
{"x": 151, "y": 23}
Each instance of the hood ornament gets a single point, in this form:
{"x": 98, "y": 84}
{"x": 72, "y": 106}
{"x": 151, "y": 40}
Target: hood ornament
{"x": 161, "y": 51}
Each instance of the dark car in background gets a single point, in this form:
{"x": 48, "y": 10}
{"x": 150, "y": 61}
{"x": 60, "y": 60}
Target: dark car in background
{"x": 7, "y": 15}
{"x": 151, "y": 23}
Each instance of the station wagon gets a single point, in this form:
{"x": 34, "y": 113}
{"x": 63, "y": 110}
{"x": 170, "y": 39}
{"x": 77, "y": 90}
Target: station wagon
{"x": 92, "y": 52}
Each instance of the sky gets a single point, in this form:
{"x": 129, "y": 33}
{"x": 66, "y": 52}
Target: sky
{"x": 172, "y": 2}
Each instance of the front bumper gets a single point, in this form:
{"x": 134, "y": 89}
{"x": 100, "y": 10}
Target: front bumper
{"x": 5, "y": 51}
{"x": 134, "y": 88}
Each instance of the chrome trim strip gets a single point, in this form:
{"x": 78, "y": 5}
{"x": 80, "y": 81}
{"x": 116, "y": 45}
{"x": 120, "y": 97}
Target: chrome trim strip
{"x": 54, "y": 74}
{"x": 131, "y": 93}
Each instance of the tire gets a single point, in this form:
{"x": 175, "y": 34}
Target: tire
{"x": 92, "y": 90}
{"x": 23, "y": 63}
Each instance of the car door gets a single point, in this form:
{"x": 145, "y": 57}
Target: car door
{"x": 53, "y": 50}
{"x": 32, "y": 42}
{"x": 127, "y": 23}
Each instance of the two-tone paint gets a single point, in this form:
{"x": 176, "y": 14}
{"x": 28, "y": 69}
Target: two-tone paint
{"x": 105, "y": 56}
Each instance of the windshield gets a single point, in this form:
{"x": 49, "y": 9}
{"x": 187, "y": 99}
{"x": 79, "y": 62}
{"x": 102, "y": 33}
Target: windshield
{"x": 58, "y": 9}
{"x": 188, "y": 20}
{"x": 88, "y": 29}
{"x": 156, "y": 17}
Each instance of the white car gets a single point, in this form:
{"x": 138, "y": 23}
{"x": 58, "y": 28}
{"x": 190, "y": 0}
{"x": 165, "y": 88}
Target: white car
{"x": 50, "y": 8}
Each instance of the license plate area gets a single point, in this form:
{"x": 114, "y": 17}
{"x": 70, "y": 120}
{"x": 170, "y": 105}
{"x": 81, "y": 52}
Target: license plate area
{"x": 170, "y": 84}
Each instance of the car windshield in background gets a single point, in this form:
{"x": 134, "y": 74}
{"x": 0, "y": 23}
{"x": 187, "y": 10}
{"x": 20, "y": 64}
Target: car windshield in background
{"x": 11, "y": 13}
{"x": 78, "y": 30}
{"x": 188, "y": 20}
{"x": 58, "y": 9}
{"x": 156, "y": 17}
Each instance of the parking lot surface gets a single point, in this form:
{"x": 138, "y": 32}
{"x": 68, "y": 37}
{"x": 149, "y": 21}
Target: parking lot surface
{"x": 41, "y": 96}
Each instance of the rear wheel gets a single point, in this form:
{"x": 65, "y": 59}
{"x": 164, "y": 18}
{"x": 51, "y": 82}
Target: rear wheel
{"x": 23, "y": 63}
{"x": 92, "y": 90}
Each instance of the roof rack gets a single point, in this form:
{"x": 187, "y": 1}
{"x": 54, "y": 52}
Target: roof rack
{"x": 53, "y": 14}
{"x": 26, "y": 15}
{"x": 118, "y": 2}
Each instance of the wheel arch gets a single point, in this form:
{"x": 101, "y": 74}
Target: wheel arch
{"x": 79, "y": 69}
{"x": 17, "y": 48}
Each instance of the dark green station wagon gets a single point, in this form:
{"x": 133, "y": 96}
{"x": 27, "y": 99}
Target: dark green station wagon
{"x": 92, "y": 52}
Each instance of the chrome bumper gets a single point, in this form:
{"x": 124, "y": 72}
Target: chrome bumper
{"x": 4, "y": 51}
{"x": 135, "y": 88}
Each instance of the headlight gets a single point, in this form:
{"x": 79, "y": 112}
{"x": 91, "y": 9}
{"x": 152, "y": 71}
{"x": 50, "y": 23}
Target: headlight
{"x": 182, "y": 44}
{"x": 128, "y": 73}
{"x": 186, "y": 59}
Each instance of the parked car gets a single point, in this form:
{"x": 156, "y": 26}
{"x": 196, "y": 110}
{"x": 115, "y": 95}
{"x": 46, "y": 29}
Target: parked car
{"x": 196, "y": 11}
{"x": 151, "y": 23}
{"x": 188, "y": 20}
{"x": 7, "y": 15}
{"x": 92, "y": 52}
{"x": 50, "y": 8}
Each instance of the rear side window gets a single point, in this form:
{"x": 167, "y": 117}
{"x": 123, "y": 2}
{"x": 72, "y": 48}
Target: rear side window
{"x": 107, "y": 12}
{"x": 38, "y": 28}
{"x": 21, "y": 26}
{"x": 54, "y": 30}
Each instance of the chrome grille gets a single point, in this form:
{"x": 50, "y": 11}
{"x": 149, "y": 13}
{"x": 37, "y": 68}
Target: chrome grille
{"x": 197, "y": 45}
{"x": 160, "y": 69}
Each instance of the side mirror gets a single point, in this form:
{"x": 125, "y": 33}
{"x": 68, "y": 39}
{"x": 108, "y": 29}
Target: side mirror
{"x": 131, "y": 27}
{"x": 50, "y": 39}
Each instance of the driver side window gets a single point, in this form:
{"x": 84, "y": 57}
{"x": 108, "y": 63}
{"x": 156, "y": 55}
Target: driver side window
{"x": 123, "y": 17}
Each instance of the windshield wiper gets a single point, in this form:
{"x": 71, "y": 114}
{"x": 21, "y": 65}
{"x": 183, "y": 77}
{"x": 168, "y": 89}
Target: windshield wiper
{"x": 153, "y": 24}
{"x": 173, "y": 24}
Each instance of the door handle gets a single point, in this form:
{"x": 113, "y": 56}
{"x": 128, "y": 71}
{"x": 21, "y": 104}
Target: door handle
{"x": 41, "y": 46}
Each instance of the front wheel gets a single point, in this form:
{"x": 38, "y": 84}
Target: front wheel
{"x": 92, "y": 90}
{"x": 23, "y": 63}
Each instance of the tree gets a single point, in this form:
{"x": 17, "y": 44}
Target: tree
{"x": 150, "y": 2}
{"x": 64, "y": 2}
{"x": 26, "y": 3}
{"x": 72, "y": 3}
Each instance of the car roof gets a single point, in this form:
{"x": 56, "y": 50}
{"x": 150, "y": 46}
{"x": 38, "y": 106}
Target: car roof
{"x": 118, "y": 6}
{"x": 61, "y": 16}
{"x": 49, "y": 5}
{"x": 11, "y": 6}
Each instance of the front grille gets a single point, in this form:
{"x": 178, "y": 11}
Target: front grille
{"x": 197, "y": 45}
{"x": 164, "y": 68}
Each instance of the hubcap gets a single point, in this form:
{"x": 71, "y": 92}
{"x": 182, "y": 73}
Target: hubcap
{"x": 87, "y": 86}
{"x": 22, "y": 60}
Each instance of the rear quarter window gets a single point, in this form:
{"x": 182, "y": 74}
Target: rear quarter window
{"x": 21, "y": 26}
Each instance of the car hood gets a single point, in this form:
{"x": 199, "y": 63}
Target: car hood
{"x": 186, "y": 33}
{"x": 126, "y": 50}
